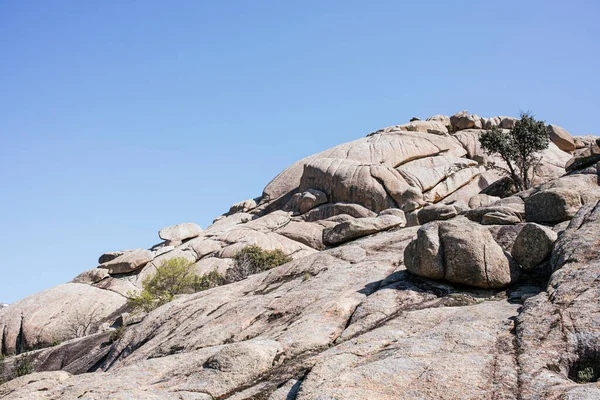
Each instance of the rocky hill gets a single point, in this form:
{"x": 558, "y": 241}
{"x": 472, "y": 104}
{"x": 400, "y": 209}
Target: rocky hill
{"x": 417, "y": 273}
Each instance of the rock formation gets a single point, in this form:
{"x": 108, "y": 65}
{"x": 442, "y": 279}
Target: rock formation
{"x": 416, "y": 273}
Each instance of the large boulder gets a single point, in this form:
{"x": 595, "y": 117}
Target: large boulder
{"x": 180, "y": 232}
{"x": 482, "y": 200}
{"x": 458, "y": 251}
{"x": 508, "y": 122}
{"x": 375, "y": 187}
{"x": 435, "y": 127}
{"x": 533, "y": 245}
{"x": 360, "y": 227}
{"x": 584, "y": 158}
{"x": 443, "y": 119}
{"x": 494, "y": 215}
{"x": 389, "y": 147}
{"x": 60, "y": 313}
{"x": 111, "y": 255}
{"x": 311, "y": 199}
{"x": 464, "y": 120}
{"x": 128, "y": 262}
{"x": 561, "y": 138}
{"x": 241, "y": 207}
{"x": 91, "y": 276}
{"x": 439, "y": 212}
{"x": 552, "y": 206}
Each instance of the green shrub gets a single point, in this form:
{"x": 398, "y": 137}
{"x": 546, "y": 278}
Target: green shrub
{"x": 519, "y": 148}
{"x": 208, "y": 281}
{"x": 23, "y": 366}
{"x": 254, "y": 259}
{"x": 585, "y": 375}
{"x": 410, "y": 128}
{"x": 172, "y": 277}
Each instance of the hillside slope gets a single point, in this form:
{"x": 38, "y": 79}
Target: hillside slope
{"x": 416, "y": 273}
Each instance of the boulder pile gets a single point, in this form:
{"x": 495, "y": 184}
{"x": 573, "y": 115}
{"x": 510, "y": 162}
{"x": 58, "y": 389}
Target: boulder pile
{"x": 416, "y": 270}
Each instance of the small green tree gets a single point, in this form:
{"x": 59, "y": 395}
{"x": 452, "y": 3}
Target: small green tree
{"x": 172, "y": 277}
{"x": 254, "y": 259}
{"x": 519, "y": 148}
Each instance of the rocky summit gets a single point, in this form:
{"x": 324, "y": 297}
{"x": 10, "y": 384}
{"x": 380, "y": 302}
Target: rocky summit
{"x": 415, "y": 273}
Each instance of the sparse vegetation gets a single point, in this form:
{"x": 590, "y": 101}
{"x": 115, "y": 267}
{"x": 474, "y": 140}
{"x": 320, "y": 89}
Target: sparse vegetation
{"x": 410, "y": 128}
{"x": 81, "y": 324}
{"x": 254, "y": 259}
{"x": 23, "y": 366}
{"x": 586, "y": 375}
{"x": 519, "y": 148}
{"x": 172, "y": 277}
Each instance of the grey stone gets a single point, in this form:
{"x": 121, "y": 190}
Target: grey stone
{"x": 552, "y": 206}
{"x": 180, "y": 232}
{"x": 128, "y": 262}
{"x": 533, "y": 245}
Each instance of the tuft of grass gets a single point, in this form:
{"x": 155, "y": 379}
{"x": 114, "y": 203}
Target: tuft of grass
{"x": 586, "y": 375}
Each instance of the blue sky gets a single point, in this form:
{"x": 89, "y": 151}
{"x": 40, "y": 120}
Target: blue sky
{"x": 118, "y": 118}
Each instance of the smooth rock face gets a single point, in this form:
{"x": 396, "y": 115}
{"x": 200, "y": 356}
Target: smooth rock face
{"x": 552, "y": 206}
{"x": 60, "y": 313}
{"x": 437, "y": 212}
{"x": 459, "y": 252}
{"x": 360, "y": 227}
{"x": 561, "y": 138}
{"x": 129, "y": 261}
{"x": 180, "y": 232}
{"x": 556, "y": 352}
{"x": 533, "y": 245}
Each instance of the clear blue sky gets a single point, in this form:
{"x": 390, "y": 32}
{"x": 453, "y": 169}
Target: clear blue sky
{"x": 118, "y": 118}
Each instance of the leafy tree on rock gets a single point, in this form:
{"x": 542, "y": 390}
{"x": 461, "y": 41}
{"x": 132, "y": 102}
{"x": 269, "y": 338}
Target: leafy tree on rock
{"x": 519, "y": 148}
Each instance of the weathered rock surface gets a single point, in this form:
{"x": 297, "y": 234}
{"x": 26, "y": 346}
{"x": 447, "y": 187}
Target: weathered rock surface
{"x": 91, "y": 276}
{"x": 458, "y": 251}
{"x": 356, "y": 228}
{"x": 127, "y": 262}
{"x": 557, "y": 330}
{"x": 533, "y": 245}
{"x": 584, "y": 158}
{"x": 464, "y": 120}
{"x": 348, "y": 322}
{"x": 180, "y": 232}
{"x": 494, "y": 215}
{"x": 552, "y": 206}
{"x": 62, "y": 312}
{"x": 437, "y": 212}
{"x": 311, "y": 199}
{"x": 242, "y": 206}
{"x": 482, "y": 200}
{"x": 106, "y": 257}
{"x": 561, "y": 138}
